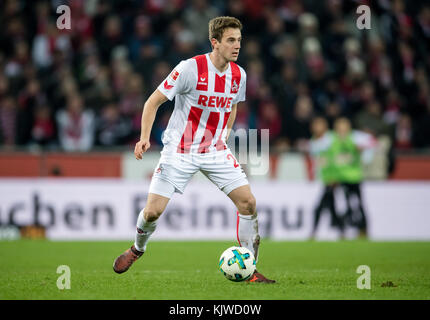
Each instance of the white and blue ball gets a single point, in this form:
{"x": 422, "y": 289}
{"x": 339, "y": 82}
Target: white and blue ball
{"x": 237, "y": 263}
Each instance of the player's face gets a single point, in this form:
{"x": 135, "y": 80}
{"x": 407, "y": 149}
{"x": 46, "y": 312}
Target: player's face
{"x": 342, "y": 127}
{"x": 229, "y": 46}
{"x": 319, "y": 127}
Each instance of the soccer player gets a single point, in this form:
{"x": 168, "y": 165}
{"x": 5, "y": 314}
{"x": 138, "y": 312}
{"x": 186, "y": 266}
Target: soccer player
{"x": 207, "y": 89}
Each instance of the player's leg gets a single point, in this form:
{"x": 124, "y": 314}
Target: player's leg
{"x": 247, "y": 225}
{"x": 317, "y": 212}
{"x": 171, "y": 175}
{"x": 158, "y": 198}
{"x": 148, "y": 216}
{"x": 337, "y": 221}
{"x": 362, "y": 221}
{"x": 229, "y": 177}
{"x": 349, "y": 214}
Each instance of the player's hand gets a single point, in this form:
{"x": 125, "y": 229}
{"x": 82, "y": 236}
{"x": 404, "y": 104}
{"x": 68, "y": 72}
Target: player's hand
{"x": 140, "y": 148}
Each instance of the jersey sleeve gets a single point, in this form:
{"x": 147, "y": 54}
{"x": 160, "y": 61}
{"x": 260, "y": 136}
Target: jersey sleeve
{"x": 366, "y": 143}
{"x": 179, "y": 81}
{"x": 363, "y": 140}
{"x": 241, "y": 95}
{"x": 321, "y": 144}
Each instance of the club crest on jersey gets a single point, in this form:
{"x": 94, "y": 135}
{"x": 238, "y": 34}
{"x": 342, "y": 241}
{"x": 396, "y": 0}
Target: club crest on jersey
{"x": 234, "y": 87}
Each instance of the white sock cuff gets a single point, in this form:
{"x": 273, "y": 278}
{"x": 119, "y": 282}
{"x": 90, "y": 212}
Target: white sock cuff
{"x": 247, "y": 216}
{"x": 143, "y": 224}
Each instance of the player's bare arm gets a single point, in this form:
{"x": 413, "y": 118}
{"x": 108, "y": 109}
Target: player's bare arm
{"x": 148, "y": 116}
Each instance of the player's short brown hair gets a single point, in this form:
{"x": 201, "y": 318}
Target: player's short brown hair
{"x": 219, "y": 24}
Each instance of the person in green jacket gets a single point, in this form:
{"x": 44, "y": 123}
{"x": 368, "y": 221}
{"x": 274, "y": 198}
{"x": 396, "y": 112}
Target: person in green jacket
{"x": 346, "y": 149}
{"x": 323, "y": 158}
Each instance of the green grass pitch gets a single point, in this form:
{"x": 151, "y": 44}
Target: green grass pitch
{"x": 189, "y": 270}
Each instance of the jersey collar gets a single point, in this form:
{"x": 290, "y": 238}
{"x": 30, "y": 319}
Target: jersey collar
{"x": 213, "y": 68}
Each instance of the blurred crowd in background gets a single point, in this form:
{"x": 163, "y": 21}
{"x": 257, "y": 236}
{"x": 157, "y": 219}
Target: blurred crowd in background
{"x": 84, "y": 88}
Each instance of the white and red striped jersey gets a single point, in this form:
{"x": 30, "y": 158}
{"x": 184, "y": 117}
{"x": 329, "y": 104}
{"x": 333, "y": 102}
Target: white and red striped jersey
{"x": 204, "y": 97}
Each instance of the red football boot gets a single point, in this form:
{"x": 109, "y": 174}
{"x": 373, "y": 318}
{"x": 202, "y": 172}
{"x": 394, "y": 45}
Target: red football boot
{"x": 125, "y": 260}
{"x": 258, "y": 277}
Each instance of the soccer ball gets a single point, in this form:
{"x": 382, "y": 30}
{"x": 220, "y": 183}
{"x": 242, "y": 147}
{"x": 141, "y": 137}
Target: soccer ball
{"x": 237, "y": 263}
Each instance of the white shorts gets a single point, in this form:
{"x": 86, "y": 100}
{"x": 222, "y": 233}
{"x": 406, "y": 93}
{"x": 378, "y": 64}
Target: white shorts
{"x": 175, "y": 170}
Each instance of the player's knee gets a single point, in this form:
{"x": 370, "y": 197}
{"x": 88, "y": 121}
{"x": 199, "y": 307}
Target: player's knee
{"x": 152, "y": 214}
{"x": 248, "y": 205}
